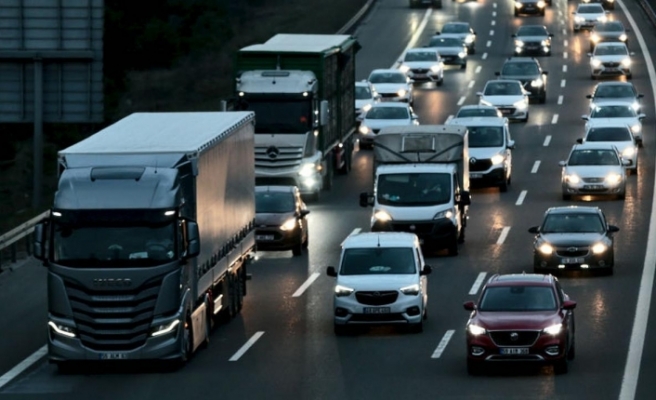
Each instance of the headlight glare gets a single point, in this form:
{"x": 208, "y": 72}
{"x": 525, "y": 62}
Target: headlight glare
{"x": 411, "y": 290}
{"x": 476, "y": 330}
{"x": 594, "y": 37}
{"x": 364, "y": 129}
{"x": 402, "y": 92}
{"x": 537, "y": 82}
{"x": 599, "y": 248}
{"x": 288, "y": 225}
{"x": 435, "y": 68}
{"x": 628, "y": 152}
{"x": 382, "y": 216}
{"x": 613, "y": 179}
{"x": 445, "y": 214}
{"x": 572, "y": 178}
{"x": 342, "y": 291}
{"x": 623, "y": 37}
{"x": 553, "y": 329}
{"x": 163, "y": 329}
{"x": 541, "y": 4}
{"x": 404, "y": 68}
{"x": 546, "y": 249}
{"x": 462, "y": 54}
{"x": 498, "y": 159}
{"x": 307, "y": 169}
{"x": 61, "y": 329}
{"x": 521, "y": 105}
{"x": 636, "y": 128}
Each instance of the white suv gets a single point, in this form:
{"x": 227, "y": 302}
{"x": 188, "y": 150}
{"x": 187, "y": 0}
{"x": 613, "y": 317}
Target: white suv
{"x": 381, "y": 279}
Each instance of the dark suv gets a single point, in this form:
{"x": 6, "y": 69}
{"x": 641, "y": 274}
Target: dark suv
{"x": 528, "y": 71}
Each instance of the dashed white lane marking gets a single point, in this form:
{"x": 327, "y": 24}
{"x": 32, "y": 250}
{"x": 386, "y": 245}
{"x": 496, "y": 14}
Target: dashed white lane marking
{"x": 494, "y": 13}
{"x": 565, "y": 55}
{"x": 478, "y": 69}
{"x": 564, "y": 31}
{"x": 560, "y": 99}
{"x": 484, "y": 56}
{"x": 306, "y": 284}
{"x": 247, "y": 346}
{"x": 494, "y": 22}
{"x": 536, "y": 166}
{"x": 564, "y": 68}
{"x": 445, "y": 340}
{"x": 520, "y": 199}
{"x": 554, "y": 119}
{"x": 504, "y": 235}
{"x": 471, "y": 84}
{"x": 449, "y": 118}
{"x": 25, "y": 364}
{"x": 477, "y": 283}
{"x": 565, "y": 42}
{"x": 462, "y": 100}
{"x": 415, "y": 36}
{"x": 547, "y": 140}
{"x": 488, "y": 44}
{"x": 494, "y": 5}
{"x": 491, "y": 32}
{"x": 562, "y": 83}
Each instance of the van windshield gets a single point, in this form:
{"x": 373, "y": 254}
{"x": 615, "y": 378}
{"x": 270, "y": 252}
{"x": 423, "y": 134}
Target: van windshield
{"x": 378, "y": 261}
{"x": 414, "y": 189}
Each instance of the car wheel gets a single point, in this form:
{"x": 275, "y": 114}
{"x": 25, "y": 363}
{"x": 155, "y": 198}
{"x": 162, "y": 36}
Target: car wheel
{"x": 440, "y": 81}
{"x": 576, "y": 30}
{"x": 453, "y": 247}
{"x": 622, "y": 195}
{"x": 516, "y": 14}
{"x": 542, "y": 13}
{"x": 543, "y": 98}
{"x": 474, "y": 368}
{"x": 306, "y": 242}
{"x": 526, "y": 119}
{"x": 629, "y": 76}
{"x": 463, "y": 66}
{"x": 340, "y": 330}
{"x": 593, "y": 77}
{"x": 561, "y": 367}
{"x": 472, "y": 51}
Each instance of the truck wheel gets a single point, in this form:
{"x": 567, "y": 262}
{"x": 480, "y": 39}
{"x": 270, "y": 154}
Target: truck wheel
{"x": 239, "y": 289}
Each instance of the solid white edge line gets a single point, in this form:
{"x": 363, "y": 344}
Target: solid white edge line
{"x": 520, "y": 199}
{"x": 554, "y": 119}
{"x": 415, "y": 37}
{"x": 310, "y": 280}
{"x": 560, "y": 99}
{"x": 477, "y": 283}
{"x": 547, "y": 140}
{"x": 504, "y": 235}
{"x": 246, "y": 346}
{"x": 639, "y": 329}
{"x": 442, "y": 345}
{"x": 536, "y": 166}
{"x": 23, "y": 365}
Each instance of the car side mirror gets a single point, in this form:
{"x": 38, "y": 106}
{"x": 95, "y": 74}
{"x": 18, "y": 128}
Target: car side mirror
{"x": 613, "y": 228}
{"x": 330, "y": 271}
{"x": 588, "y": 96}
{"x": 511, "y": 144}
{"x": 497, "y": 73}
{"x": 640, "y": 96}
{"x": 626, "y": 162}
{"x": 303, "y": 213}
{"x": 465, "y": 198}
{"x": 579, "y": 140}
{"x": 569, "y": 305}
{"x": 469, "y": 305}
{"x": 562, "y": 163}
{"x": 545, "y": 72}
{"x": 513, "y": 35}
{"x": 534, "y": 229}
{"x": 39, "y": 237}
{"x": 411, "y": 81}
{"x": 632, "y": 53}
{"x": 641, "y": 116}
{"x": 437, "y": 33}
{"x": 479, "y": 94}
{"x": 551, "y": 35}
{"x": 585, "y": 117}
{"x": 426, "y": 270}
{"x": 589, "y": 54}
{"x": 193, "y": 240}
{"x": 366, "y": 199}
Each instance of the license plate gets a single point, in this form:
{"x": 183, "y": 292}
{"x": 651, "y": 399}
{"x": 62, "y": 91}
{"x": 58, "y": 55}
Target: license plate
{"x": 475, "y": 176}
{"x": 376, "y": 310}
{"x": 594, "y": 187}
{"x": 573, "y": 260}
{"x": 264, "y": 237}
{"x": 514, "y": 351}
{"x": 505, "y": 111}
{"x": 113, "y": 356}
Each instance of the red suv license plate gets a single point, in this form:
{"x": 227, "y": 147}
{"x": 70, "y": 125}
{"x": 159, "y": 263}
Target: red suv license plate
{"x": 376, "y": 310}
{"x": 514, "y": 350}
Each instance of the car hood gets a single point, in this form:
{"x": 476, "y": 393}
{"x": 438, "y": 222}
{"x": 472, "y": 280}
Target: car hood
{"x": 609, "y": 34}
{"x": 420, "y": 64}
{"x": 377, "y": 281}
{"x": 502, "y": 100}
{"x": 390, "y": 87}
{"x": 381, "y": 123}
{"x": 611, "y": 58}
{"x": 482, "y": 153}
{"x": 572, "y": 238}
{"x": 272, "y": 219}
{"x": 589, "y": 16}
{"x": 630, "y": 121}
{"x": 519, "y": 320}
{"x": 593, "y": 171}
{"x": 614, "y": 100}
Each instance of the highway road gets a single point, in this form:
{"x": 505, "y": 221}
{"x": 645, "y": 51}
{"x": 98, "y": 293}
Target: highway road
{"x": 282, "y": 345}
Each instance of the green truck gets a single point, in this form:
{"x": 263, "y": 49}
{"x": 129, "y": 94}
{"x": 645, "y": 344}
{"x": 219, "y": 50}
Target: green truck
{"x": 302, "y": 90}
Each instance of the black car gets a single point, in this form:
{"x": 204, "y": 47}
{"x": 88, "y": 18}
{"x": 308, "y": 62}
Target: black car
{"x": 610, "y": 31}
{"x": 280, "y": 219}
{"x": 527, "y": 70}
{"x": 534, "y": 7}
{"x": 574, "y": 237}
{"x": 532, "y": 39}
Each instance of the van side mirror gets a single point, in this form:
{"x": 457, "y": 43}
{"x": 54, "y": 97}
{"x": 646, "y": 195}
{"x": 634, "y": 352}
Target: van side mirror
{"x": 497, "y": 73}
{"x": 39, "y": 236}
{"x": 303, "y": 213}
{"x": 465, "y": 198}
{"x": 366, "y": 199}
{"x": 193, "y": 240}
{"x": 324, "y": 113}
{"x": 426, "y": 270}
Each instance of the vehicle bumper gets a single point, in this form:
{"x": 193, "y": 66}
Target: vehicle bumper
{"x": 454, "y": 60}
{"x": 530, "y": 11}
{"x": 435, "y": 234}
{"x": 482, "y": 348}
{"x": 387, "y": 97}
{"x": 405, "y": 310}
{"x": 273, "y": 239}
{"x": 587, "y": 262}
{"x": 306, "y": 184}
{"x": 513, "y": 112}
{"x": 493, "y": 176}
{"x": 584, "y": 25}
{"x": 594, "y": 189}
{"x": 610, "y": 71}
{"x": 533, "y": 49}
{"x": 424, "y": 76}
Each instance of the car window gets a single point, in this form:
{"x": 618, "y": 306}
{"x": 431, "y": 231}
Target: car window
{"x": 502, "y": 89}
{"x": 532, "y": 31}
{"x": 274, "y": 202}
{"x": 477, "y": 112}
{"x": 378, "y": 261}
{"x": 593, "y": 157}
{"x": 519, "y": 68}
{"x": 485, "y": 136}
{"x": 517, "y": 298}
{"x": 388, "y": 113}
{"x": 572, "y": 223}
{"x": 613, "y": 112}
{"x": 363, "y": 93}
{"x": 614, "y": 91}
{"x": 455, "y": 28}
{"x": 618, "y": 134}
{"x": 388, "y": 77}
{"x": 610, "y": 51}
{"x": 613, "y": 26}
{"x": 445, "y": 42}
{"x": 590, "y": 9}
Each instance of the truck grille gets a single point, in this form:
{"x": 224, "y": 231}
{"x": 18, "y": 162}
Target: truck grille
{"x": 479, "y": 165}
{"x": 507, "y": 338}
{"x": 113, "y": 320}
{"x": 377, "y": 298}
{"x": 273, "y": 157}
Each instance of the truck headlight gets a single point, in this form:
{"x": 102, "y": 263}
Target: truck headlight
{"x": 537, "y": 82}
{"x": 343, "y": 291}
{"x": 520, "y": 105}
{"x": 308, "y": 169}
{"x": 595, "y": 63}
{"x": 553, "y": 329}
{"x": 613, "y": 179}
{"x": 288, "y": 225}
{"x": 163, "y": 329}
{"x": 382, "y": 216}
{"x": 572, "y": 178}
{"x": 61, "y": 329}
{"x": 411, "y": 290}
{"x": 475, "y": 329}
{"x": 364, "y": 129}
{"x": 445, "y": 214}
{"x": 498, "y": 159}
{"x": 402, "y": 92}
{"x": 599, "y": 248}
{"x": 404, "y": 68}
{"x": 546, "y": 249}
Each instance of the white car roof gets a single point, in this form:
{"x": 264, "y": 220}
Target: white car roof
{"x": 594, "y": 146}
{"x": 380, "y": 239}
{"x": 386, "y": 71}
{"x": 479, "y": 121}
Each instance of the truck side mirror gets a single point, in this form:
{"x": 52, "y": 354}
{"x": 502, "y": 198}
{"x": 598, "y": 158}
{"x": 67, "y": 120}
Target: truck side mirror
{"x": 366, "y": 199}
{"x": 323, "y": 113}
{"x": 465, "y": 198}
{"x": 39, "y": 236}
{"x": 193, "y": 240}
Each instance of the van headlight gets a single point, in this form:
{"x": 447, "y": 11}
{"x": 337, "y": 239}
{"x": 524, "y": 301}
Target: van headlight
{"x": 497, "y": 159}
{"x": 61, "y": 329}
{"x": 382, "y": 216}
{"x": 289, "y": 225}
{"x": 343, "y": 291}
{"x": 553, "y": 329}
{"x": 163, "y": 329}
{"x": 445, "y": 214}
{"x": 411, "y": 290}
{"x": 308, "y": 169}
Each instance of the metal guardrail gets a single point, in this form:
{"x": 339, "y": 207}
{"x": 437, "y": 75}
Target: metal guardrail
{"x": 13, "y": 238}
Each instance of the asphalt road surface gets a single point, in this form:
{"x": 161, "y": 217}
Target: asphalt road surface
{"x": 287, "y": 317}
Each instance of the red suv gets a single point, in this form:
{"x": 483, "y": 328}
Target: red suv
{"x": 521, "y": 317}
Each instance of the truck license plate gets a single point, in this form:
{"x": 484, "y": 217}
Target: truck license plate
{"x": 113, "y": 356}
{"x": 514, "y": 350}
{"x": 264, "y": 237}
{"x": 573, "y": 260}
{"x": 376, "y": 310}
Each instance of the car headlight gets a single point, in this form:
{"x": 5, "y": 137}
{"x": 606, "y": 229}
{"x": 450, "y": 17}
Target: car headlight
{"x": 545, "y": 42}
{"x": 579, "y": 18}
{"x": 537, "y": 82}
{"x": 519, "y": 43}
{"x": 602, "y": 18}
{"x": 445, "y": 214}
{"x": 636, "y": 128}
{"x": 411, "y": 290}
{"x": 163, "y": 329}
{"x": 308, "y": 169}
{"x": 553, "y": 329}
{"x": 626, "y": 62}
{"x": 366, "y": 107}
{"x": 342, "y": 291}
{"x": 288, "y": 225}
{"x": 636, "y": 106}
{"x": 595, "y": 63}
{"x": 518, "y": 4}
{"x": 484, "y": 102}
{"x": 364, "y": 129}
{"x": 546, "y": 249}
{"x": 62, "y": 330}
{"x": 402, "y": 92}
{"x": 498, "y": 159}
{"x": 541, "y": 4}
{"x": 435, "y": 68}
{"x": 462, "y": 54}
{"x": 476, "y": 330}
{"x": 572, "y": 178}
{"x": 594, "y": 37}
{"x": 521, "y": 105}
{"x": 613, "y": 179}
{"x": 623, "y": 37}
{"x": 599, "y": 248}
{"x": 404, "y": 68}
{"x": 382, "y": 216}
{"x": 469, "y": 39}
{"x": 628, "y": 152}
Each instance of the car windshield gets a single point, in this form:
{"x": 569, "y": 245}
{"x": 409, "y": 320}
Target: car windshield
{"x": 518, "y": 298}
{"x": 614, "y": 91}
{"x": 445, "y": 42}
{"x": 615, "y": 134}
{"x": 421, "y": 56}
{"x": 520, "y": 68}
{"x": 478, "y": 112}
{"x": 593, "y": 157}
{"x": 274, "y": 202}
{"x": 620, "y": 111}
{"x": 388, "y": 113}
{"x": 532, "y": 31}
{"x": 611, "y": 51}
{"x": 613, "y": 26}
{"x": 363, "y": 93}
{"x": 590, "y": 9}
{"x": 378, "y": 261}
{"x": 414, "y": 189}
{"x": 485, "y": 136}
{"x": 455, "y": 28}
{"x": 572, "y": 223}
{"x": 502, "y": 89}
{"x": 388, "y": 77}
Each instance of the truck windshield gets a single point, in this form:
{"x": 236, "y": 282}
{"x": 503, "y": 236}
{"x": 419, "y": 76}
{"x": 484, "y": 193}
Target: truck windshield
{"x": 414, "y": 189}
{"x": 113, "y": 246}
{"x": 378, "y": 261}
{"x": 281, "y": 116}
